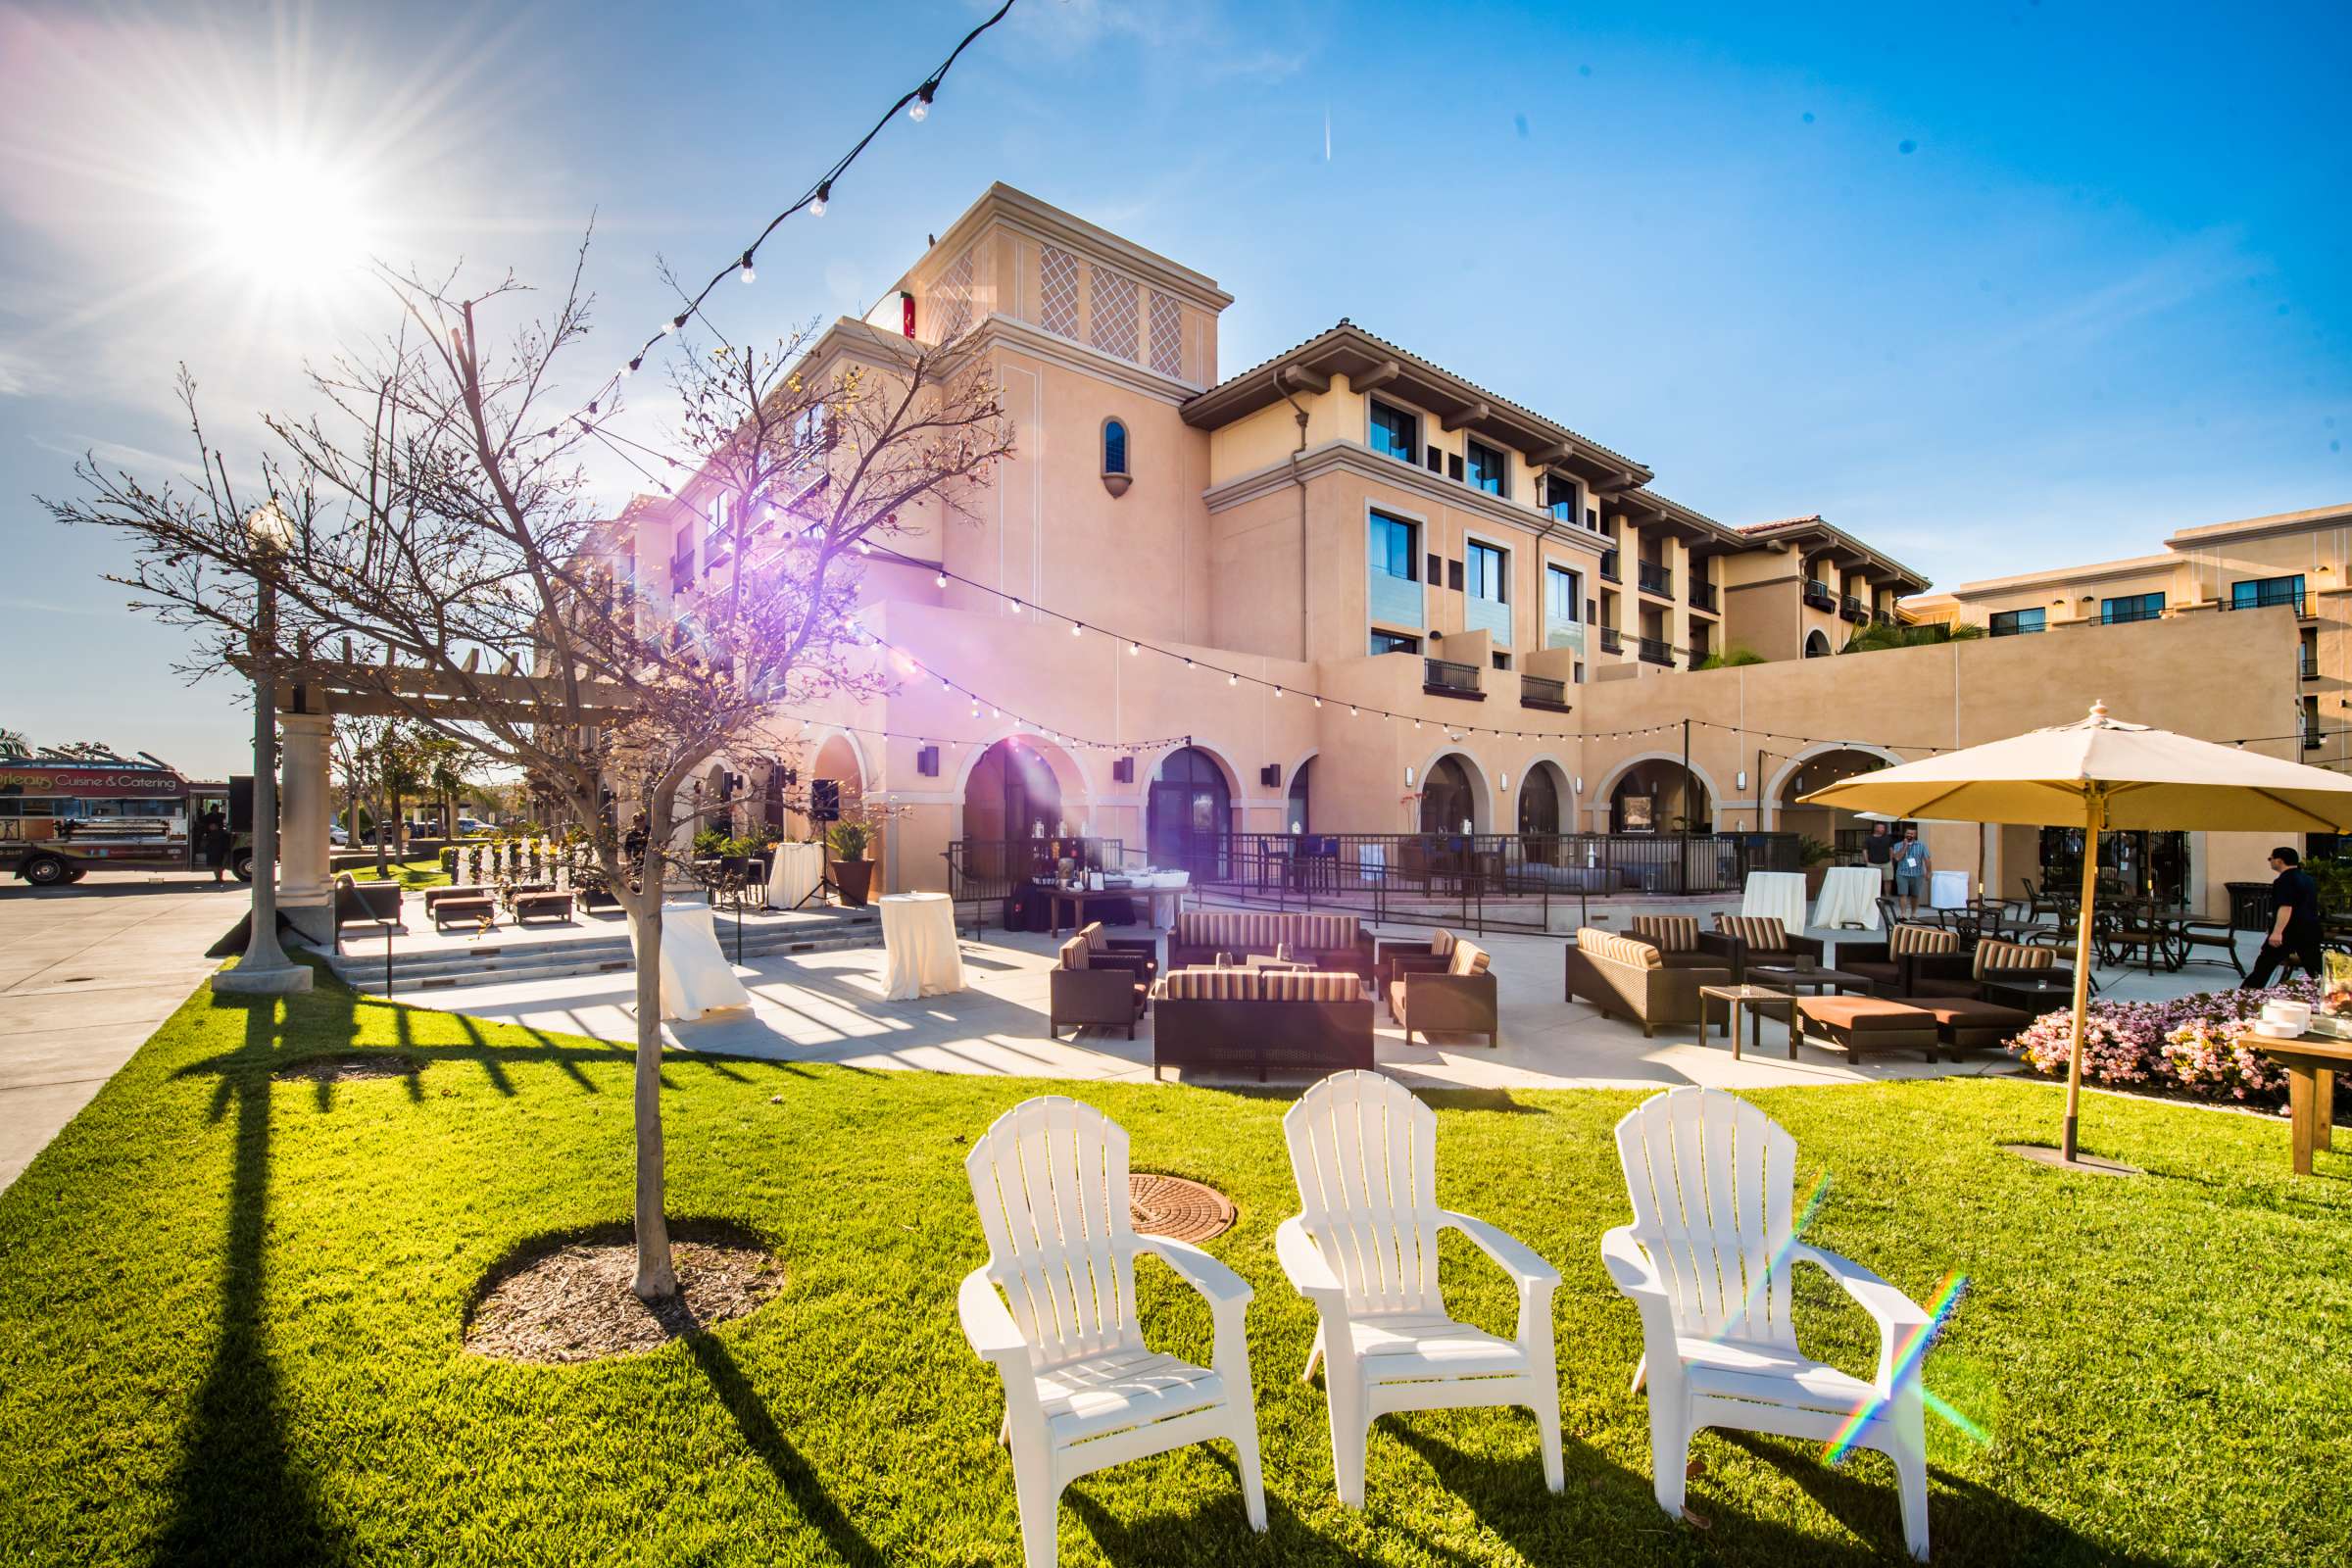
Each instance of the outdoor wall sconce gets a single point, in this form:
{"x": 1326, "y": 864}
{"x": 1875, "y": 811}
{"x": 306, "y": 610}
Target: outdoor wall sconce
{"x": 1408, "y": 779}
{"x": 1506, "y": 784}
{"x": 1739, "y": 779}
{"x": 1580, "y": 783}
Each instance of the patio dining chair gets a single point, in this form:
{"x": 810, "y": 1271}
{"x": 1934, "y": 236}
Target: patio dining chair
{"x": 1082, "y": 1391}
{"x": 1707, "y": 1263}
{"x": 1363, "y": 1248}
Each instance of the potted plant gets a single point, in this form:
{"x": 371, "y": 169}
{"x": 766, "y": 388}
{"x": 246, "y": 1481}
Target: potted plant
{"x": 1813, "y": 856}
{"x": 852, "y": 873}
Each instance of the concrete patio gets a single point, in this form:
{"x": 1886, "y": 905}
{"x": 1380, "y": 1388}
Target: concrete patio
{"x": 828, "y": 1007}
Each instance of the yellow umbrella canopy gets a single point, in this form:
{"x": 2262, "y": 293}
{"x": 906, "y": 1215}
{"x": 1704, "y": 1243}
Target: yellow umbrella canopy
{"x": 2101, "y": 774}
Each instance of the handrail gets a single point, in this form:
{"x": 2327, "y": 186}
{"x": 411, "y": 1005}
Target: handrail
{"x": 1448, "y": 675}
{"x": 1655, "y": 580}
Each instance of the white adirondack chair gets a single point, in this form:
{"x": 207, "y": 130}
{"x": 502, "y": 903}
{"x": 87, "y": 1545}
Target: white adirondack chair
{"x": 1707, "y": 1260}
{"x": 1364, "y": 1250}
{"x": 1082, "y": 1391}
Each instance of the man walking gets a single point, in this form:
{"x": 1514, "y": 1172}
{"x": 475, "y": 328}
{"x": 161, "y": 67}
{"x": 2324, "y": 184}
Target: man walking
{"x": 2295, "y": 934}
{"x": 1911, "y": 869}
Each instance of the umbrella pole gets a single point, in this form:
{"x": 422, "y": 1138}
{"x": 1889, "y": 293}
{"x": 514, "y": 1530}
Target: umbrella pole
{"x": 2094, "y": 818}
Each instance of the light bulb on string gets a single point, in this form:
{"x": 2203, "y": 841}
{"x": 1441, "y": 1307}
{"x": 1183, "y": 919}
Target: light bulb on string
{"x": 816, "y": 207}
{"x": 920, "y": 110}
{"x": 1133, "y": 649}
{"x": 746, "y": 274}
{"x": 1231, "y": 679}
{"x": 1076, "y": 628}
{"x": 941, "y": 582}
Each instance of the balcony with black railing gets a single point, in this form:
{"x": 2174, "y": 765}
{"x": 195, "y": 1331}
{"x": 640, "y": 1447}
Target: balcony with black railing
{"x": 1611, "y": 640}
{"x": 681, "y": 572}
{"x": 1654, "y": 650}
{"x": 1654, "y": 579}
{"x": 1443, "y": 678}
{"x": 1884, "y": 617}
{"x": 1820, "y": 595}
{"x": 2263, "y": 596}
{"x": 1537, "y": 691}
{"x": 1856, "y": 610}
{"x": 1608, "y": 567}
{"x": 2307, "y": 662}
{"x": 1702, "y": 596}
{"x": 2124, "y": 615}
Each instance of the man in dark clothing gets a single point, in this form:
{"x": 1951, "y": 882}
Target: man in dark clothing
{"x": 2294, "y": 935}
{"x": 1878, "y": 851}
{"x": 211, "y": 838}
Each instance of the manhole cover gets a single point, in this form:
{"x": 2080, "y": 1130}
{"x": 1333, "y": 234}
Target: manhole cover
{"x": 1172, "y": 1206}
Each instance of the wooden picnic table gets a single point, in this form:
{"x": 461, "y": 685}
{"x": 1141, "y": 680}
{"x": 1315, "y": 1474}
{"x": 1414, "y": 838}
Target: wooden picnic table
{"x": 2312, "y": 1062}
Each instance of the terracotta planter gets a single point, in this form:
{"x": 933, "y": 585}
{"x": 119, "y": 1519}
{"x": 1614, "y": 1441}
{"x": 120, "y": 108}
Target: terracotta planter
{"x": 854, "y": 879}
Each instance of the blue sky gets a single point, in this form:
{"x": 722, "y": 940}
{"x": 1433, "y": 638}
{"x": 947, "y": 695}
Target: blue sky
{"x": 2035, "y": 283}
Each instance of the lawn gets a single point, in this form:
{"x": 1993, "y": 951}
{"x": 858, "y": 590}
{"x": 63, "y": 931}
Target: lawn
{"x": 411, "y": 874}
{"x": 230, "y": 1309}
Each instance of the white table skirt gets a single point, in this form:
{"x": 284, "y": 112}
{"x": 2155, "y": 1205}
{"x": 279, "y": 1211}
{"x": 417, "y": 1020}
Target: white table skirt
{"x": 696, "y": 977}
{"x": 794, "y": 873}
{"x": 1947, "y": 890}
{"x": 918, "y": 935}
{"x": 1780, "y": 894}
{"x": 1163, "y": 895}
{"x": 1850, "y": 895}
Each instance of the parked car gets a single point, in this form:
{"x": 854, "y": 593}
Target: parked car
{"x": 337, "y": 836}
{"x": 474, "y": 827}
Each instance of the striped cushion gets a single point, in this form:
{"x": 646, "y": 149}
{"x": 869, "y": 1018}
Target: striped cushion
{"x": 1904, "y": 940}
{"x": 1616, "y": 949}
{"x": 1096, "y": 941}
{"x": 1993, "y": 957}
{"x": 1468, "y": 958}
{"x": 1310, "y": 985}
{"x": 1763, "y": 933}
{"x": 1211, "y": 985}
{"x": 1260, "y": 930}
{"x": 1668, "y": 933}
{"x": 1073, "y": 954}
{"x": 1441, "y": 943}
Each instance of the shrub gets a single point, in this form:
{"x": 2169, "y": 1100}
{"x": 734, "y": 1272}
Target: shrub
{"x": 2194, "y": 1045}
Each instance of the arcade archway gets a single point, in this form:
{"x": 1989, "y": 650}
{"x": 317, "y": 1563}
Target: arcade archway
{"x": 1189, "y": 812}
{"x": 1843, "y": 831}
{"x": 1660, "y": 796}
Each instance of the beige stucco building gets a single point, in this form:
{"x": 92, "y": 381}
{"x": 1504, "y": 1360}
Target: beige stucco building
{"x": 1346, "y": 590}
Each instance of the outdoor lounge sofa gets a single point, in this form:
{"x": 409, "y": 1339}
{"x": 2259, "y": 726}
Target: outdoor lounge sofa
{"x": 1628, "y": 978}
{"x": 1328, "y": 941}
{"x": 1675, "y": 937}
{"x": 1256, "y": 1020}
{"x": 1452, "y": 995}
{"x": 1904, "y": 964}
{"x": 1089, "y": 989}
{"x": 1387, "y": 951}
{"x": 1739, "y": 940}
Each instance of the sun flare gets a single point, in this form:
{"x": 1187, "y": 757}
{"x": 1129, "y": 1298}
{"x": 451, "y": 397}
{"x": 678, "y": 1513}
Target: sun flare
{"x": 286, "y": 219}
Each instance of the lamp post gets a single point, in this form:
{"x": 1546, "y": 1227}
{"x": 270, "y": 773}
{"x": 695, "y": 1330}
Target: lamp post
{"x": 264, "y": 969}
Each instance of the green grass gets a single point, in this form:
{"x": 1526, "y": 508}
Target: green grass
{"x": 408, "y": 873}
{"x": 229, "y": 1317}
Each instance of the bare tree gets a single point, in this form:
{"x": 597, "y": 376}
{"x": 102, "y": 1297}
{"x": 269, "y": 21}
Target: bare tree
{"x": 449, "y": 568}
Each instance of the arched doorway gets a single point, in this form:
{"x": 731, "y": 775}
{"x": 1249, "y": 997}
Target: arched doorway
{"x": 1011, "y": 798}
{"x": 1656, "y": 796}
{"x": 1300, "y": 817}
{"x": 1817, "y": 645}
{"x": 1843, "y": 831}
{"x": 1540, "y": 802}
{"x": 1447, "y": 800}
{"x": 1189, "y": 812}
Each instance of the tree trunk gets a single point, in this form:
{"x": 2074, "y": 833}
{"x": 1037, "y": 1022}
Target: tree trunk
{"x": 656, "y": 1277}
{"x": 383, "y": 822}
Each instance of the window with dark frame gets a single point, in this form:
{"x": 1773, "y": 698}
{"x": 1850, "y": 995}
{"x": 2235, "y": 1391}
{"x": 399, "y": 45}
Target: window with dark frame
{"x": 1563, "y": 594}
{"x": 1485, "y": 469}
{"x": 2017, "y": 622}
{"x": 1394, "y": 432}
{"x": 2131, "y": 606}
{"x": 1114, "y": 447}
{"x": 1391, "y": 547}
{"x": 1563, "y": 498}
{"x": 1394, "y": 642}
{"x": 1489, "y": 571}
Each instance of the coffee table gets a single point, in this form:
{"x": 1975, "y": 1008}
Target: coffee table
{"x": 1287, "y": 965}
{"x": 1788, "y": 977}
{"x": 2035, "y": 995}
{"x": 1754, "y": 999}
{"x": 2312, "y": 1064}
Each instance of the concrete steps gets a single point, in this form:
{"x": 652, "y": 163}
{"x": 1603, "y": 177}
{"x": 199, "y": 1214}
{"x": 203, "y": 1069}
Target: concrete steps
{"x": 530, "y": 955}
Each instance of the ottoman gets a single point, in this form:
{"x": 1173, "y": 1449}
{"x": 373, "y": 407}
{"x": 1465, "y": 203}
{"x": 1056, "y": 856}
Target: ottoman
{"x": 1969, "y": 1023}
{"x": 1857, "y": 1025}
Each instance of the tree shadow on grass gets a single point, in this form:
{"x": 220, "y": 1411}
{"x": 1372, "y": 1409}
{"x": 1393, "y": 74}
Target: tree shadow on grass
{"x": 238, "y": 1495}
{"x": 793, "y": 1473}
{"x": 1214, "y": 1529}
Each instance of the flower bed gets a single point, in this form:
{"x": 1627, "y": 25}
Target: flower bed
{"x": 2194, "y": 1045}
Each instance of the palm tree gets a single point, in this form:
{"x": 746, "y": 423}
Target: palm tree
{"x": 14, "y": 744}
{"x": 1910, "y": 634}
{"x": 1729, "y": 658}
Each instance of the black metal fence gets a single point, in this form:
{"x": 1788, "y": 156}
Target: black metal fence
{"x": 1479, "y": 880}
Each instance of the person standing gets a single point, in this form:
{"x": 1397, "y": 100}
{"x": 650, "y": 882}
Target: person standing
{"x": 1911, "y": 870}
{"x": 2295, "y": 934}
{"x": 212, "y": 837}
{"x": 1878, "y": 850}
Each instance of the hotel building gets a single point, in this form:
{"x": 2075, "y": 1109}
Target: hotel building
{"x": 1349, "y": 529}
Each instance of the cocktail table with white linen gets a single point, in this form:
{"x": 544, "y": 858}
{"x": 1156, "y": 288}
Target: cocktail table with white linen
{"x": 1850, "y": 895}
{"x": 918, "y": 935}
{"x": 1779, "y": 895}
{"x": 794, "y": 873}
{"x": 696, "y": 977}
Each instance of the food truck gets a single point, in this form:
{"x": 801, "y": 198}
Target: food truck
{"x": 61, "y": 816}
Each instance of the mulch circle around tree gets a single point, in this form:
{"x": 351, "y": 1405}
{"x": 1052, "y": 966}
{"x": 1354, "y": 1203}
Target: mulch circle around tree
{"x": 570, "y": 1302}
{"x": 345, "y": 1070}
{"x": 1177, "y": 1207}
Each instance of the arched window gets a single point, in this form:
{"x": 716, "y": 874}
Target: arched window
{"x": 1446, "y": 797}
{"x": 1299, "y": 797}
{"x": 1817, "y": 646}
{"x": 1115, "y": 446}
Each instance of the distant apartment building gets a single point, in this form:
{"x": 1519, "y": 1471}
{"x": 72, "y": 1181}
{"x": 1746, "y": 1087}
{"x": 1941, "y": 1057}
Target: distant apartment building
{"x": 1361, "y": 531}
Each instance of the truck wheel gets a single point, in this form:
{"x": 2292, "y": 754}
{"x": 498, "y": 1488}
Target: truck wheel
{"x": 242, "y": 864}
{"x": 78, "y": 873}
{"x": 45, "y": 871}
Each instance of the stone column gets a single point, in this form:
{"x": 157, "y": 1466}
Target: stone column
{"x": 306, "y": 890}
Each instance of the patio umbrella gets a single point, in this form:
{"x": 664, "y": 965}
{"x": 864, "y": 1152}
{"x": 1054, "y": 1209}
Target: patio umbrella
{"x": 2101, "y": 774}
